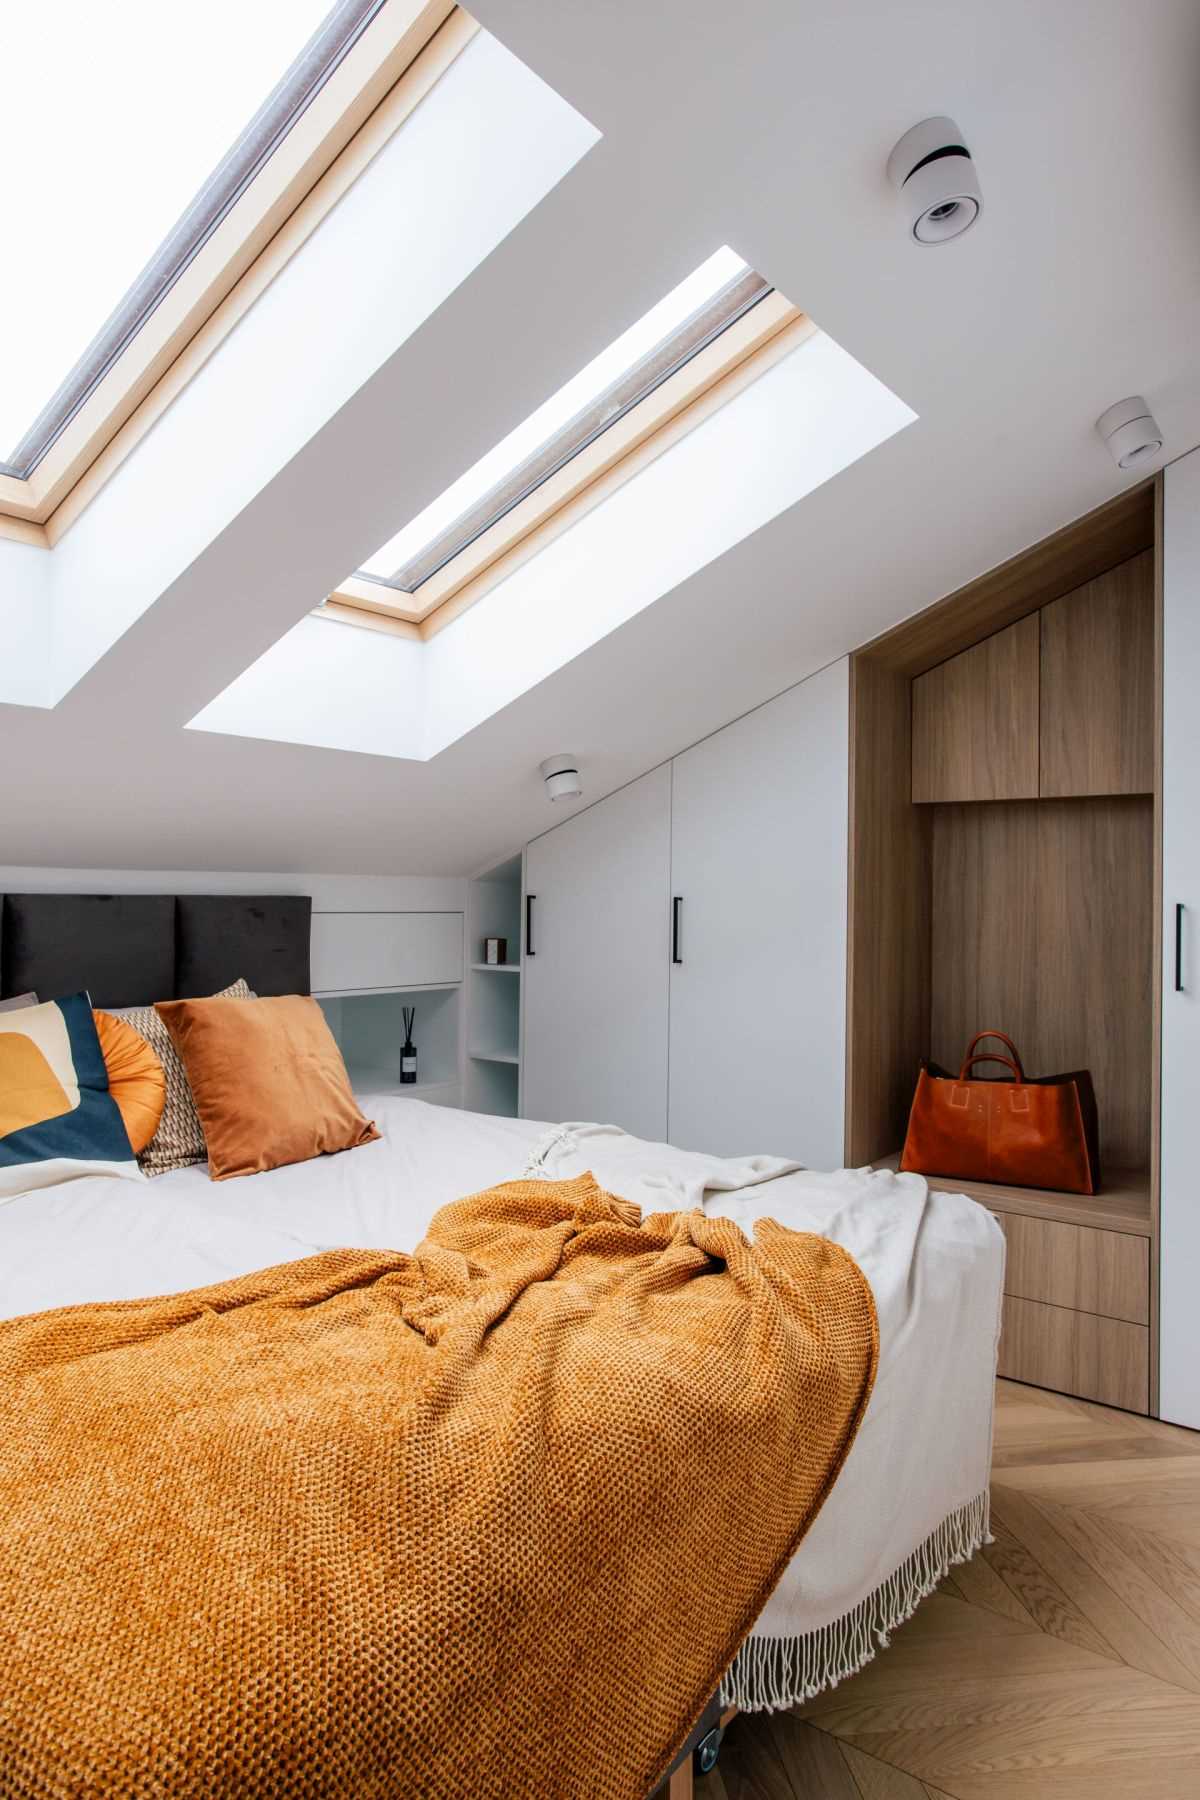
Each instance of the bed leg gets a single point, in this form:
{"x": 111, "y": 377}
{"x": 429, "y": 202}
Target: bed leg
{"x": 681, "y": 1786}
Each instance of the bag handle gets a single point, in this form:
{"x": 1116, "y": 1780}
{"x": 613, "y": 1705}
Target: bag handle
{"x": 1018, "y": 1071}
{"x": 992, "y": 1056}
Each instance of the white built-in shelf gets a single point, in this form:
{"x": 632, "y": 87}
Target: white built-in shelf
{"x": 414, "y": 987}
{"x": 384, "y": 1081}
{"x": 491, "y": 1023}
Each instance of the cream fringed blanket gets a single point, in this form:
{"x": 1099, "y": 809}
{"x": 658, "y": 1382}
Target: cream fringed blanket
{"x": 486, "y": 1521}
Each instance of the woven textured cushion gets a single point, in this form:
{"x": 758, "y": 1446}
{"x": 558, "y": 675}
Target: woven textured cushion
{"x": 57, "y": 1117}
{"x": 179, "y": 1140}
{"x": 268, "y": 1080}
{"x": 135, "y": 1077}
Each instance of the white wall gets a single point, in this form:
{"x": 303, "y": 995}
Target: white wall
{"x": 24, "y": 624}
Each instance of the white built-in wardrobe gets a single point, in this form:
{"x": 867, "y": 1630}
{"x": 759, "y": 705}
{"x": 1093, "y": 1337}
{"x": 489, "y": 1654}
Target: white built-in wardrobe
{"x": 685, "y": 954}
{"x": 1179, "y": 1204}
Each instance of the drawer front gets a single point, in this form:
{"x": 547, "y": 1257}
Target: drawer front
{"x": 1076, "y": 1353}
{"x": 1105, "y": 1272}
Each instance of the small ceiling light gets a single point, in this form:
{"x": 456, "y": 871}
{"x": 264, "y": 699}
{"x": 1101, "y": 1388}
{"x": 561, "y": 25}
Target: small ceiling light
{"x": 1131, "y": 433}
{"x": 561, "y": 776}
{"x": 932, "y": 168}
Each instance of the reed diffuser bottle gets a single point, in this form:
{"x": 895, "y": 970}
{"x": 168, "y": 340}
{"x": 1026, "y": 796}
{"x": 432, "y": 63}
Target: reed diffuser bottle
{"x": 408, "y": 1052}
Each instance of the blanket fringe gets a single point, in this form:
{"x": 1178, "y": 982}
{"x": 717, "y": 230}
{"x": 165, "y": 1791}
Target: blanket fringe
{"x": 773, "y": 1672}
{"x": 536, "y": 1166}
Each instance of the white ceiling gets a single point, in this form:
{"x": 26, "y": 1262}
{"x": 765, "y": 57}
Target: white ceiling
{"x": 765, "y": 126}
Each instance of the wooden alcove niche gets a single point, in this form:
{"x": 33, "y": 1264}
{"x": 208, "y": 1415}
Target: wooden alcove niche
{"x": 1037, "y": 913}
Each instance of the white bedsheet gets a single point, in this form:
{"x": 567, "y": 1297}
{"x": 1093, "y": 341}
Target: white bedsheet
{"x": 910, "y": 1498}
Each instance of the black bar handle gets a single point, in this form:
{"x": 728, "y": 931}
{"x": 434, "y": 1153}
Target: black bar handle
{"x": 529, "y": 900}
{"x": 676, "y": 903}
{"x": 1179, "y": 946}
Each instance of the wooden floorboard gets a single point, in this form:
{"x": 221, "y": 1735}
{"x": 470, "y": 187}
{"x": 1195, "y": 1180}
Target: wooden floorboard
{"x": 1063, "y": 1663}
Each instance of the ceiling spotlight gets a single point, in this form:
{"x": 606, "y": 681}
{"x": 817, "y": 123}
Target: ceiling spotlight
{"x": 561, "y": 776}
{"x": 932, "y": 168}
{"x": 1131, "y": 433}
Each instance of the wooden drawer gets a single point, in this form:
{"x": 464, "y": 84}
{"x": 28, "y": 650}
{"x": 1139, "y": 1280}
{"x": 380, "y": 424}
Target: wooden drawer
{"x": 1076, "y": 1353}
{"x": 1105, "y": 1272}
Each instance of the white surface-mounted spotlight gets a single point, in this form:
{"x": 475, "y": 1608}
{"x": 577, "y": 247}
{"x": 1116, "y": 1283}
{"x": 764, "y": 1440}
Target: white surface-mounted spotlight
{"x": 1130, "y": 431}
{"x": 561, "y": 776}
{"x": 932, "y": 168}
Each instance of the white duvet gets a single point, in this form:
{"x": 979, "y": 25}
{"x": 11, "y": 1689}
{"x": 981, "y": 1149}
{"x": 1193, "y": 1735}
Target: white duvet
{"x": 911, "y": 1498}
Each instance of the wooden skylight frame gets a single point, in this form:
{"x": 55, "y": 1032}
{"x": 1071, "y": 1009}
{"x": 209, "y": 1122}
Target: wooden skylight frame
{"x": 397, "y": 60}
{"x": 743, "y": 352}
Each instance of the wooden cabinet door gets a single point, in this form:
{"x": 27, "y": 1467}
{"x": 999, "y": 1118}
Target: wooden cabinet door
{"x": 1179, "y": 1226}
{"x": 595, "y": 963}
{"x": 1097, "y": 694}
{"x": 975, "y": 721}
{"x": 758, "y": 995}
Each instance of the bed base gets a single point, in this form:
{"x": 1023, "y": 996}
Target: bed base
{"x": 682, "y": 1785}
{"x": 702, "y": 1748}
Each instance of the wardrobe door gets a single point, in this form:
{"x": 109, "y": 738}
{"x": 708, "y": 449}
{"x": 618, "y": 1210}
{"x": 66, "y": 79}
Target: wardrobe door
{"x": 596, "y": 961}
{"x": 758, "y": 984}
{"x": 1179, "y": 1220}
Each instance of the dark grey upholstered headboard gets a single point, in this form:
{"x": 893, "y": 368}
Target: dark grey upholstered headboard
{"x": 133, "y": 949}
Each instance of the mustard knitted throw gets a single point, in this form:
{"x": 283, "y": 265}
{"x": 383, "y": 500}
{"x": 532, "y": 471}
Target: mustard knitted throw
{"x": 481, "y": 1523}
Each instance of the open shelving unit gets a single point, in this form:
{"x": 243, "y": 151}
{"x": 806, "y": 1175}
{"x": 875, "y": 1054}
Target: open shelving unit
{"x": 492, "y": 1063}
{"x": 369, "y": 1029}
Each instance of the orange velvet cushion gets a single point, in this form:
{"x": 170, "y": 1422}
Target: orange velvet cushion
{"x": 268, "y": 1080}
{"x": 135, "y": 1078}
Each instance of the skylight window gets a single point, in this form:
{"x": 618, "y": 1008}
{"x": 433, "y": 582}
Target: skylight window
{"x": 691, "y": 317}
{"x": 159, "y": 122}
{"x": 794, "y": 413}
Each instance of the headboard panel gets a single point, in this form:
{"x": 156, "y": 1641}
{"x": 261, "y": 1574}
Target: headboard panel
{"x": 265, "y": 938}
{"x": 120, "y": 947}
{"x": 133, "y": 949}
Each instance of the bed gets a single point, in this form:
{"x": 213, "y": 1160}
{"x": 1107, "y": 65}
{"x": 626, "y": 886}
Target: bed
{"x": 911, "y": 1500}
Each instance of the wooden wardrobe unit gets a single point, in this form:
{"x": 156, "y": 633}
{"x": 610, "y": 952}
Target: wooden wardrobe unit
{"x": 1004, "y": 871}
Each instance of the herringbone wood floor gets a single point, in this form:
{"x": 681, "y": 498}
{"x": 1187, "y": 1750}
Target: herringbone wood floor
{"x": 1063, "y": 1663}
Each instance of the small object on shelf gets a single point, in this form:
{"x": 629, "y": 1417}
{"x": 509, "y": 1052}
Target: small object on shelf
{"x": 408, "y": 1053}
{"x": 495, "y": 950}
